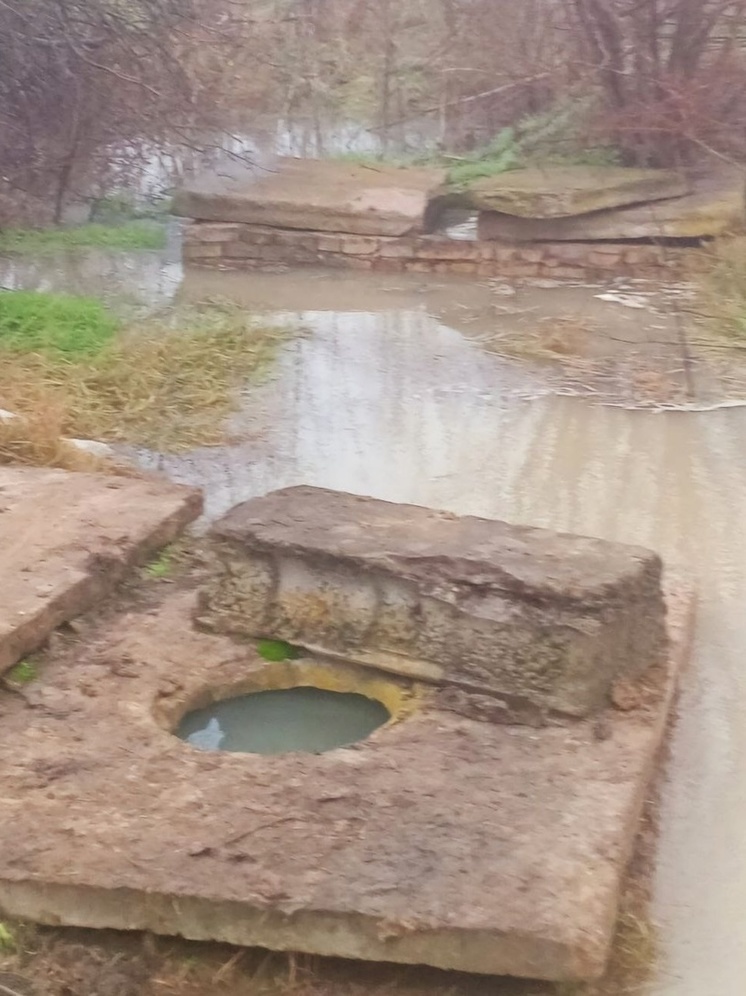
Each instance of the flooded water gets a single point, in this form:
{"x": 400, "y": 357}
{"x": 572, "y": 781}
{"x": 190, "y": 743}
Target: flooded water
{"x": 390, "y": 393}
{"x": 129, "y": 282}
{"x": 283, "y": 720}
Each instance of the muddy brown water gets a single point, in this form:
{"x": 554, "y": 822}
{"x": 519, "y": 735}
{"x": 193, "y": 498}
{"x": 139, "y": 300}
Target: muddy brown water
{"x": 391, "y": 393}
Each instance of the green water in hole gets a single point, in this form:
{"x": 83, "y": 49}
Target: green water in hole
{"x": 283, "y": 720}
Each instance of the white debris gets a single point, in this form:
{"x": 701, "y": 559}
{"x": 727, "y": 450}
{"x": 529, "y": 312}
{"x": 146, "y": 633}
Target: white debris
{"x": 628, "y": 300}
{"x": 92, "y": 446}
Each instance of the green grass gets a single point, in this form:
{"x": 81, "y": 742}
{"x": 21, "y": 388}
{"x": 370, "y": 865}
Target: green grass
{"x": 722, "y": 290}
{"x": 22, "y": 673}
{"x": 8, "y": 942}
{"x": 277, "y": 650}
{"x": 544, "y": 140}
{"x": 137, "y": 234}
{"x": 168, "y": 382}
{"x": 54, "y": 324}
{"x": 161, "y": 567}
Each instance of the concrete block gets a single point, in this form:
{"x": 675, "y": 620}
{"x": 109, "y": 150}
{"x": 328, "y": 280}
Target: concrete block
{"x": 507, "y": 610}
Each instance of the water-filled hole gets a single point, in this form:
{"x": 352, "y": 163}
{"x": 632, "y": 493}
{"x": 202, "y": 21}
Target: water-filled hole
{"x": 283, "y": 720}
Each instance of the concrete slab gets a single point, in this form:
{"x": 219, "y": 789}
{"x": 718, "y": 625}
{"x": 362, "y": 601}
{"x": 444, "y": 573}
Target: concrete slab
{"x": 67, "y": 539}
{"x": 716, "y": 206}
{"x": 439, "y": 840}
{"x": 322, "y": 195}
{"x": 565, "y": 191}
{"x": 488, "y": 606}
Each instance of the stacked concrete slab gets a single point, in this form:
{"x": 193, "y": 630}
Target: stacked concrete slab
{"x": 320, "y": 195}
{"x": 607, "y": 205}
{"x": 568, "y": 223}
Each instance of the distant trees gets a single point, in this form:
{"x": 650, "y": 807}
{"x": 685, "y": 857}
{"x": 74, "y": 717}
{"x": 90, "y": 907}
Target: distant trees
{"x": 672, "y": 72}
{"x": 86, "y": 86}
{"x": 91, "y": 87}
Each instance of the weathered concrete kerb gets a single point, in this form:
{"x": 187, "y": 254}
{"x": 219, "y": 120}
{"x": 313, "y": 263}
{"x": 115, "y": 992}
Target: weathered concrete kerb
{"x": 494, "y": 608}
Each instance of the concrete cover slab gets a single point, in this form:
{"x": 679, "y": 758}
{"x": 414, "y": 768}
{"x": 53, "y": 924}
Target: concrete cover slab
{"x": 508, "y": 610}
{"x": 323, "y": 195}
{"x": 439, "y": 840}
{"x": 717, "y": 206}
{"x": 67, "y": 539}
{"x": 564, "y": 191}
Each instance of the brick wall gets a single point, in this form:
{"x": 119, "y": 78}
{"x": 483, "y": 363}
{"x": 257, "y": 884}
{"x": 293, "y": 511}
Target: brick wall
{"x": 232, "y": 245}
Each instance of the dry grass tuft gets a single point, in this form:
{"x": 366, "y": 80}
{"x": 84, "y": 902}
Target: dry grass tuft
{"x": 36, "y": 441}
{"x": 722, "y": 289}
{"x": 168, "y": 383}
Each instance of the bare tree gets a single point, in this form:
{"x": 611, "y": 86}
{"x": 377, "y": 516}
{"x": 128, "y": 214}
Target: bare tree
{"x": 671, "y": 72}
{"x": 87, "y": 86}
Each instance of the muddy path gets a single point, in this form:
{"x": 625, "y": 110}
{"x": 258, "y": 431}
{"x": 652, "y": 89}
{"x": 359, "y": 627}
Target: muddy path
{"x": 396, "y": 390}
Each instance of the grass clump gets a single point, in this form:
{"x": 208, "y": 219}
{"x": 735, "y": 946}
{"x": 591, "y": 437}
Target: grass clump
{"x": 168, "y": 382}
{"x": 36, "y": 440}
{"x": 8, "y": 943}
{"x": 556, "y": 137}
{"x": 22, "y": 673}
{"x": 722, "y": 289}
{"x": 161, "y": 567}
{"x": 35, "y": 322}
{"x": 277, "y": 650}
{"x": 130, "y": 235}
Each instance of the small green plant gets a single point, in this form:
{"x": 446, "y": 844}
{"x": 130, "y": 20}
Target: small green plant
{"x": 162, "y": 566}
{"x": 128, "y": 236}
{"x": 22, "y": 673}
{"x": 8, "y": 942}
{"x": 53, "y": 324}
{"x": 277, "y": 650}
{"x": 553, "y": 138}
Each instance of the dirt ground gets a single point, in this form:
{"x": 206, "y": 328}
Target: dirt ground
{"x": 66, "y": 962}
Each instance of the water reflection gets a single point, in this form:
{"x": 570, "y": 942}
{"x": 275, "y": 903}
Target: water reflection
{"x": 129, "y": 282}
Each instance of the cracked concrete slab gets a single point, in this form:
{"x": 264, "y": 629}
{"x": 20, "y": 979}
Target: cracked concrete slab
{"x": 67, "y": 539}
{"x": 440, "y": 840}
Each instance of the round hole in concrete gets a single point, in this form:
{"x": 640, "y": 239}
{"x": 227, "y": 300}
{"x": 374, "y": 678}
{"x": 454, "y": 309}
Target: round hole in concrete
{"x": 283, "y": 720}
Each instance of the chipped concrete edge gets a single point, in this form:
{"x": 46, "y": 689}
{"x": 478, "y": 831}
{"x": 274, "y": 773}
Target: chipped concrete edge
{"x": 320, "y": 932}
{"x": 102, "y": 575}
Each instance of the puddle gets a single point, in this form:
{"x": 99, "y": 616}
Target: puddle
{"x": 283, "y": 720}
